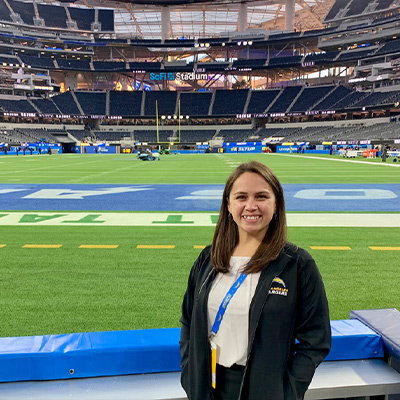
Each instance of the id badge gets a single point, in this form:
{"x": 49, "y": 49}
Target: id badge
{"x": 213, "y": 348}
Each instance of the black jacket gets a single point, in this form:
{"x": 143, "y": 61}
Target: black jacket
{"x": 278, "y": 367}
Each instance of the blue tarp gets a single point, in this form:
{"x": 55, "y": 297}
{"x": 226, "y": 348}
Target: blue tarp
{"x": 90, "y": 354}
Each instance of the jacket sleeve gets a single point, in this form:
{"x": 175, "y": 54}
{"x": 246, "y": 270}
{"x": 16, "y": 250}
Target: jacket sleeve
{"x": 313, "y": 331}
{"x": 186, "y": 318}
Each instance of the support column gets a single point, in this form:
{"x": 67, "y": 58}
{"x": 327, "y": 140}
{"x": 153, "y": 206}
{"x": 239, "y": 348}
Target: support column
{"x": 165, "y": 23}
{"x": 242, "y": 17}
{"x": 289, "y": 14}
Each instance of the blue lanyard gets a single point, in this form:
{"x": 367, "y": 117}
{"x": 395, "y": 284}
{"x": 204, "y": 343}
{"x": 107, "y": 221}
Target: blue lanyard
{"x": 225, "y": 302}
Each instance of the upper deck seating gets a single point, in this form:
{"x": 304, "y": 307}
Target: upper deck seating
{"x": 83, "y": 17}
{"x": 321, "y": 58}
{"x": 65, "y": 102}
{"x": 46, "y": 106}
{"x": 252, "y": 63}
{"x": 339, "y": 4}
{"x": 4, "y": 12}
{"x": 145, "y": 66}
{"x": 229, "y": 102}
{"x": 354, "y": 55}
{"x": 125, "y": 103}
{"x": 92, "y": 103}
{"x": 38, "y": 62}
{"x": 309, "y": 97}
{"x": 106, "y": 18}
{"x": 16, "y": 106}
{"x": 108, "y": 66}
{"x": 356, "y": 8}
{"x": 389, "y": 47}
{"x": 74, "y": 65}
{"x": 379, "y": 98}
{"x": 349, "y": 101}
{"x": 166, "y": 103}
{"x": 4, "y": 58}
{"x": 328, "y": 103}
{"x": 195, "y": 104}
{"x": 384, "y": 4}
{"x": 260, "y": 100}
{"x": 25, "y": 10}
{"x": 54, "y": 16}
{"x": 285, "y": 62}
{"x": 285, "y": 99}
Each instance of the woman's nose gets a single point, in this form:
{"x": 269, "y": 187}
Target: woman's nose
{"x": 251, "y": 204}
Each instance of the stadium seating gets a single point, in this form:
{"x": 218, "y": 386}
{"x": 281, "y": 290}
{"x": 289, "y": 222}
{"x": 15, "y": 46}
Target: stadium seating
{"x": 284, "y": 62}
{"x": 66, "y": 103}
{"x": 16, "y": 106}
{"x": 109, "y": 66}
{"x": 74, "y": 65}
{"x": 4, "y": 12}
{"x": 285, "y": 99}
{"x": 25, "y": 10}
{"x": 334, "y": 97}
{"x": 106, "y": 18}
{"x": 229, "y": 102}
{"x": 353, "y": 55}
{"x": 38, "y": 62}
{"x": 261, "y": 99}
{"x": 92, "y": 102}
{"x": 337, "y": 6}
{"x": 83, "y": 17}
{"x": 125, "y": 103}
{"x": 195, "y": 104}
{"x": 166, "y": 103}
{"x": 193, "y": 135}
{"x": 309, "y": 97}
{"x": 46, "y": 106}
{"x": 53, "y": 16}
{"x": 235, "y": 135}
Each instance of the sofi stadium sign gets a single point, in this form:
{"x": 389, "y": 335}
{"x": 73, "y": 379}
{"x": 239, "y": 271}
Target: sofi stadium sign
{"x": 179, "y": 76}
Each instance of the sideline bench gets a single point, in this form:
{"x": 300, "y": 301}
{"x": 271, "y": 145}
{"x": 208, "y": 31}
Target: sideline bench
{"x": 353, "y": 368}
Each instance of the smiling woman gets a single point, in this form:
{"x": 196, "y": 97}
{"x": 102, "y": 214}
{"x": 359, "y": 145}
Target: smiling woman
{"x": 254, "y": 300}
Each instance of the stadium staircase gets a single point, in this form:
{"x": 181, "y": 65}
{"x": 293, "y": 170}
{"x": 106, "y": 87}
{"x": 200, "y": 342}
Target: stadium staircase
{"x": 274, "y": 101}
{"x": 77, "y": 102}
{"x": 294, "y": 100}
{"x": 211, "y": 103}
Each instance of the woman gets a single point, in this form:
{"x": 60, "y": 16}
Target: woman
{"x": 255, "y": 319}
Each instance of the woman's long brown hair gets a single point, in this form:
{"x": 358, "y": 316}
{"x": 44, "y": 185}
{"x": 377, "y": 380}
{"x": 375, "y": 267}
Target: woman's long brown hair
{"x": 226, "y": 234}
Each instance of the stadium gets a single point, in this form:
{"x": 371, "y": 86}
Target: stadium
{"x": 120, "y": 122}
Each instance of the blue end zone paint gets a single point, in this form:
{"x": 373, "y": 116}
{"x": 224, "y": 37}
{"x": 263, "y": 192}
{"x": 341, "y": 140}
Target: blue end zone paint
{"x": 304, "y": 197}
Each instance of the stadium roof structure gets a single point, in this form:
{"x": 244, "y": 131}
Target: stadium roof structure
{"x": 206, "y": 19}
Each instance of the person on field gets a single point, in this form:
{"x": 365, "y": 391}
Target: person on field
{"x": 255, "y": 318}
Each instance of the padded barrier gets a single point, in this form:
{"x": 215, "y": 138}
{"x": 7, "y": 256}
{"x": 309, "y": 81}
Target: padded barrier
{"x": 385, "y": 322}
{"x": 93, "y": 354}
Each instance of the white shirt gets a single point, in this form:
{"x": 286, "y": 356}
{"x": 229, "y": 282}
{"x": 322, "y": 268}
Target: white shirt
{"x": 232, "y": 336}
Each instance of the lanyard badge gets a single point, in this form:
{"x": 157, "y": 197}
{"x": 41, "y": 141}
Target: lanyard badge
{"x": 217, "y": 323}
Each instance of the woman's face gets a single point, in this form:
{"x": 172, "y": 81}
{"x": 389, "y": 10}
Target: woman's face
{"x": 252, "y": 204}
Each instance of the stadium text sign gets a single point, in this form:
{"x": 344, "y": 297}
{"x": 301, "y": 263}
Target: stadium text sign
{"x": 179, "y": 76}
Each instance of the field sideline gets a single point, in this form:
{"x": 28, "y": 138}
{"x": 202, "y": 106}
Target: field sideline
{"x": 73, "y": 288}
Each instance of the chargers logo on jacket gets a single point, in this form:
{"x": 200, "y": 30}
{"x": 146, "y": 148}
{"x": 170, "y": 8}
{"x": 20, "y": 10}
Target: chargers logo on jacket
{"x": 278, "y": 287}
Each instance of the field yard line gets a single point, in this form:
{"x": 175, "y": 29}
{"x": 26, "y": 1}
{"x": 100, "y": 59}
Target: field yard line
{"x": 338, "y": 159}
{"x": 189, "y": 219}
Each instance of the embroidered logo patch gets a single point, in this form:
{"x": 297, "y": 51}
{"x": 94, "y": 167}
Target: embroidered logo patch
{"x": 278, "y": 287}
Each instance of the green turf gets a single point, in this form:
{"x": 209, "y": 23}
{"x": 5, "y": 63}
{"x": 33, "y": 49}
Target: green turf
{"x": 48, "y": 291}
{"x": 187, "y": 169}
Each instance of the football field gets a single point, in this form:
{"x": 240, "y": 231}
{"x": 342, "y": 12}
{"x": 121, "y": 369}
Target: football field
{"x": 105, "y": 242}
